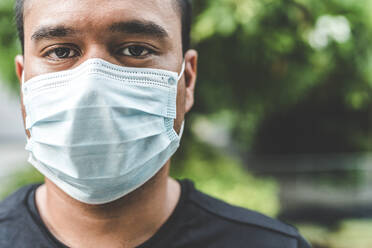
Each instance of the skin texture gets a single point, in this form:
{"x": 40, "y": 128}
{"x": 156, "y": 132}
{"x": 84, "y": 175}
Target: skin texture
{"x": 133, "y": 219}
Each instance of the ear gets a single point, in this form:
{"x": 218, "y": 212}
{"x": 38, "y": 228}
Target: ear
{"x": 19, "y": 67}
{"x": 191, "y": 69}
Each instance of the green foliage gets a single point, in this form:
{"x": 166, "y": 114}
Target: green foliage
{"x": 350, "y": 233}
{"x": 223, "y": 177}
{"x": 19, "y": 179}
{"x": 9, "y": 46}
{"x": 260, "y": 61}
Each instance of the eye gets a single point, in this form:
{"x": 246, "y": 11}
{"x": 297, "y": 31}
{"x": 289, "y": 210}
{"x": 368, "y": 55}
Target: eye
{"x": 136, "y": 51}
{"x": 62, "y": 53}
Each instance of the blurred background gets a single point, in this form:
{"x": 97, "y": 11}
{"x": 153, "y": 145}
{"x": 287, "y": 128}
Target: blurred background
{"x": 283, "y": 115}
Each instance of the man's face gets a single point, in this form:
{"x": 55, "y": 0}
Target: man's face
{"x": 62, "y": 34}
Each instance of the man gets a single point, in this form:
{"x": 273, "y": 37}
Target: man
{"x": 105, "y": 89}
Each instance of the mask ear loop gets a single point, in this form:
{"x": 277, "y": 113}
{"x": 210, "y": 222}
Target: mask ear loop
{"x": 179, "y": 77}
{"x": 182, "y": 128}
{"x": 28, "y": 146}
{"x": 182, "y": 70}
{"x": 23, "y": 77}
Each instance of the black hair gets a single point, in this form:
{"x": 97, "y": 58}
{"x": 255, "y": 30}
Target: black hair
{"x": 184, "y": 7}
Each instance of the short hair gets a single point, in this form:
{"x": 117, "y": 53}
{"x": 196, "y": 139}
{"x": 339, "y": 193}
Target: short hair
{"x": 184, "y": 6}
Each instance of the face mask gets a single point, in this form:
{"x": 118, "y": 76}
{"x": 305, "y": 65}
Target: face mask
{"x": 100, "y": 131}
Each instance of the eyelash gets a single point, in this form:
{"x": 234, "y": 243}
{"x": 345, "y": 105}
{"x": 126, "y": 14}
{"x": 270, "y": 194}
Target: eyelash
{"x": 145, "y": 49}
{"x": 119, "y": 52}
{"x": 54, "y": 50}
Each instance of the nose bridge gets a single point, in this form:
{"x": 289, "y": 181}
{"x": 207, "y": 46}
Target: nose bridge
{"x": 99, "y": 51}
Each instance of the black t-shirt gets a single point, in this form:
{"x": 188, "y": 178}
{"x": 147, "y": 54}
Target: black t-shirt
{"x": 197, "y": 221}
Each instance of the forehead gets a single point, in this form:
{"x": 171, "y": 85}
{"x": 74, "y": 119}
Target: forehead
{"x": 96, "y": 14}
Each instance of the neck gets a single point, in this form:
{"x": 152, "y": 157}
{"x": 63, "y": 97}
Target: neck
{"x": 127, "y": 222}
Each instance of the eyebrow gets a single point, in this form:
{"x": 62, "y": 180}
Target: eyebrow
{"x": 140, "y": 27}
{"x": 52, "y": 32}
{"x": 147, "y": 28}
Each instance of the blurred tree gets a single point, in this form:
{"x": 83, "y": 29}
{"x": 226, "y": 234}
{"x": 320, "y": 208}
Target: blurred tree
{"x": 294, "y": 73}
{"x": 9, "y": 45}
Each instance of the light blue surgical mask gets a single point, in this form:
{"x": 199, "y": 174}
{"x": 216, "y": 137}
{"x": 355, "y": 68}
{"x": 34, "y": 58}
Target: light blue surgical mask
{"x": 100, "y": 131}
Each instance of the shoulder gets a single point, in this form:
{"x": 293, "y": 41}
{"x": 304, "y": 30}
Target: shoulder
{"x": 15, "y": 201}
{"x": 243, "y": 225}
{"x": 14, "y": 216}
